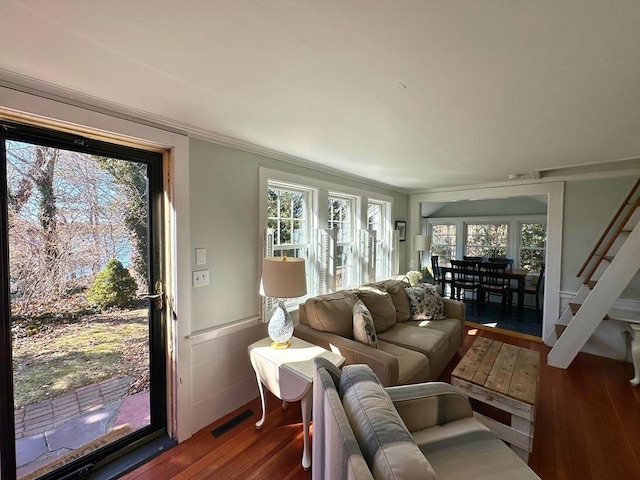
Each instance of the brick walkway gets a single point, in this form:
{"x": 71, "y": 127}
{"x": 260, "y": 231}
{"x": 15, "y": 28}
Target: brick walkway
{"x": 39, "y": 417}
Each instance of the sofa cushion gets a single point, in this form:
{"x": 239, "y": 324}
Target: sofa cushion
{"x": 426, "y": 303}
{"x": 413, "y": 367}
{"x": 364, "y": 330}
{"x": 384, "y": 440}
{"x": 452, "y": 327}
{"x": 466, "y": 448}
{"x": 395, "y": 288}
{"x": 380, "y": 304}
{"x": 400, "y": 300}
{"x": 331, "y": 313}
{"x": 428, "y": 341}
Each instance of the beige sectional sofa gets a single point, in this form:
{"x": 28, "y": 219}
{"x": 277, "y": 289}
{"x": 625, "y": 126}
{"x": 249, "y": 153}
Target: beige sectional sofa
{"x": 363, "y": 431}
{"x": 408, "y": 351}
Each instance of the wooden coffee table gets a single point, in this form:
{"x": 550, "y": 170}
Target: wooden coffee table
{"x": 506, "y": 377}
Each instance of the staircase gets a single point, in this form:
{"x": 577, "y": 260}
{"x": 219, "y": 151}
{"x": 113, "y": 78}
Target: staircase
{"x": 613, "y": 261}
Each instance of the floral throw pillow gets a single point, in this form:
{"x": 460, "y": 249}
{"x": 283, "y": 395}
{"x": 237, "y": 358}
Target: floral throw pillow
{"x": 426, "y": 303}
{"x": 363, "y": 329}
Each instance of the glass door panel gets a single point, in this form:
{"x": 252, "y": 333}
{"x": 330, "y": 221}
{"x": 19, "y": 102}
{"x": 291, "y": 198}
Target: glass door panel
{"x": 79, "y": 226}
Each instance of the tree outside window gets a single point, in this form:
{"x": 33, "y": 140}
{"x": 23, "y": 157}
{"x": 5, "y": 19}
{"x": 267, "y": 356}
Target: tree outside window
{"x": 287, "y": 216}
{"x": 533, "y": 238}
{"x": 443, "y": 242}
{"x": 487, "y": 240}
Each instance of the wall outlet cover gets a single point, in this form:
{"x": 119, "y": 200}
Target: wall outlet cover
{"x": 200, "y": 278}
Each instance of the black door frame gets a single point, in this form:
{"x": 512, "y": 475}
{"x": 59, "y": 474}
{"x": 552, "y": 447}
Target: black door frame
{"x": 157, "y": 319}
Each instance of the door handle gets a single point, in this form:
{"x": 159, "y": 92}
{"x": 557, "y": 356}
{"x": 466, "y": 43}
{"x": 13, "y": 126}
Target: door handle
{"x": 157, "y": 295}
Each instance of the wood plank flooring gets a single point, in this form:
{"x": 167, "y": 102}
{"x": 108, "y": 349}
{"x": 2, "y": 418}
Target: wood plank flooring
{"x": 587, "y": 427}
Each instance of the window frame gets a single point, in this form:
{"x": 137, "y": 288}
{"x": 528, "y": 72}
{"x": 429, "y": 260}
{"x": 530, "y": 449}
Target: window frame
{"x": 350, "y": 245}
{"x": 304, "y": 247}
{"x": 520, "y": 224}
{"x": 454, "y": 250}
{"x": 466, "y": 245}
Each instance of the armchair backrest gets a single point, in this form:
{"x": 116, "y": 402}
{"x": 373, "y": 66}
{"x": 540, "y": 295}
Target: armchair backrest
{"x": 336, "y": 454}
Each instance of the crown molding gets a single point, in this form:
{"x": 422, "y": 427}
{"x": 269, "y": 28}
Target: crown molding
{"x": 32, "y": 86}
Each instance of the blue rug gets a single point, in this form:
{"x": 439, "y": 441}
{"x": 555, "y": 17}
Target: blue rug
{"x": 490, "y": 316}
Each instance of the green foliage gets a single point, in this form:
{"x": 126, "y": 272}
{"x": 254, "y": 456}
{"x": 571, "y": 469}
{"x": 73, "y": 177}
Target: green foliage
{"x": 132, "y": 178}
{"x": 113, "y": 287}
{"x": 285, "y": 210}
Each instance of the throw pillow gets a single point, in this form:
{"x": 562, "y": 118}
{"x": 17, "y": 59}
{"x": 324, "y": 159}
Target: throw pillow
{"x": 426, "y": 303}
{"x": 364, "y": 330}
{"x": 381, "y": 306}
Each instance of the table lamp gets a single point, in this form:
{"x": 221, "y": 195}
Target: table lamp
{"x": 282, "y": 277}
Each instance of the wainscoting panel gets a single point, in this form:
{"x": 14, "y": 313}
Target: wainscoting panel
{"x": 222, "y": 376}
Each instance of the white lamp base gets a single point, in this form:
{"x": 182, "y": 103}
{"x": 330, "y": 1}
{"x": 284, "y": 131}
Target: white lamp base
{"x": 280, "y": 327}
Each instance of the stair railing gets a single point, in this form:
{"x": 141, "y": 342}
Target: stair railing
{"x": 612, "y": 236}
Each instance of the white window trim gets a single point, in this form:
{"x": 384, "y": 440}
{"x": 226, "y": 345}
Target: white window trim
{"x": 385, "y": 237}
{"x": 353, "y": 259}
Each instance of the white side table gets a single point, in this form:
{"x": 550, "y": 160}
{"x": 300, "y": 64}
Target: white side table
{"x": 288, "y": 374}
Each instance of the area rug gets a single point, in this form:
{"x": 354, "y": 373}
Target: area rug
{"x": 99, "y": 442}
{"x": 490, "y": 317}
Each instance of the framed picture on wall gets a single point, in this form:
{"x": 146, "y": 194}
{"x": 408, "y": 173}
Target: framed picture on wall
{"x": 402, "y": 230}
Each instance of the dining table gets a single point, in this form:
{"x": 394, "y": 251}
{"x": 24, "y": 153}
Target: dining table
{"x": 517, "y": 274}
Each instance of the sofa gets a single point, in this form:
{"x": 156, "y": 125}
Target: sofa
{"x": 362, "y": 430}
{"x": 407, "y": 351}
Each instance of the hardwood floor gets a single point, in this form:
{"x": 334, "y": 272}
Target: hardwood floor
{"x": 587, "y": 427}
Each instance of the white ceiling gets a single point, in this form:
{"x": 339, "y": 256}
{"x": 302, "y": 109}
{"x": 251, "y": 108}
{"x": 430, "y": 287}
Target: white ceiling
{"x": 415, "y": 94}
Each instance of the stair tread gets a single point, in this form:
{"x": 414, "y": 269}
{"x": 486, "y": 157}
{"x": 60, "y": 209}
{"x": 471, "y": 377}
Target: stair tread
{"x": 574, "y": 307}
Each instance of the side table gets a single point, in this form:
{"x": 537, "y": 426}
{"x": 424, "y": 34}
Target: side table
{"x": 288, "y": 374}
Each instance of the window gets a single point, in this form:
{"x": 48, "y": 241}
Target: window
{"x": 532, "y": 245}
{"x": 378, "y": 221}
{"x": 288, "y": 215}
{"x": 487, "y": 240}
{"x": 443, "y": 242}
{"x": 341, "y": 219}
{"x": 308, "y": 218}
{"x": 522, "y": 238}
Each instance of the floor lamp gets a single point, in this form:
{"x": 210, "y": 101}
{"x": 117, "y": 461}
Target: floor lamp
{"x": 422, "y": 243}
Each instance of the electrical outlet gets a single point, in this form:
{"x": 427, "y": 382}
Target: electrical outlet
{"x": 200, "y": 278}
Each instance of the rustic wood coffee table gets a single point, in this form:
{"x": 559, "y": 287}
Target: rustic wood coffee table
{"x": 506, "y": 377}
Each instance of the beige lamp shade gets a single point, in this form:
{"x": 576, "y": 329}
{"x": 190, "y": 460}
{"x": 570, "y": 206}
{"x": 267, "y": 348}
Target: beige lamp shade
{"x": 422, "y": 243}
{"x": 283, "y": 277}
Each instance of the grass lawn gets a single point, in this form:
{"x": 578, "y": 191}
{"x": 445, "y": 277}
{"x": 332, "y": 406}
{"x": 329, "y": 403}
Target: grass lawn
{"x": 65, "y": 355}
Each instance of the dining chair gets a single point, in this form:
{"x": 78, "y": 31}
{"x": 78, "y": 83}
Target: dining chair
{"x": 437, "y": 275}
{"x": 508, "y": 261}
{"x": 475, "y": 259}
{"x": 493, "y": 281}
{"x": 465, "y": 277}
{"x": 536, "y": 291}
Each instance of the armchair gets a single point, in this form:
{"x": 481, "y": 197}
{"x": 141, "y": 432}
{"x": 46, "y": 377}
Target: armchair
{"x": 363, "y": 430}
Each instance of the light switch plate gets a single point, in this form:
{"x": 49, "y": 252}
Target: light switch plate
{"x": 200, "y": 278}
{"x": 201, "y": 256}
